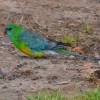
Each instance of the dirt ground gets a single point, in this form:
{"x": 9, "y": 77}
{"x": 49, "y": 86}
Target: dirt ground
{"x": 21, "y": 75}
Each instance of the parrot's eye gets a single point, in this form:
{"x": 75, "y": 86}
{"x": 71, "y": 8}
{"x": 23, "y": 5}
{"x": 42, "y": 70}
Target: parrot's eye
{"x": 9, "y": 29}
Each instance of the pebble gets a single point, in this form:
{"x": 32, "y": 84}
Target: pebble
{"x": 2, "y": 74}
{"x": 11, "y": 77}
{"x": 4, "y": 87}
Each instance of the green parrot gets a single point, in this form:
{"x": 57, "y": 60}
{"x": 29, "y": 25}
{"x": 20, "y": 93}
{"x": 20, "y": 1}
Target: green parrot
{"x": 36, "y": 45}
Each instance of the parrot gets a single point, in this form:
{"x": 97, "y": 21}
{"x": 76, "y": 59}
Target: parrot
{"x": 36, "y": 45}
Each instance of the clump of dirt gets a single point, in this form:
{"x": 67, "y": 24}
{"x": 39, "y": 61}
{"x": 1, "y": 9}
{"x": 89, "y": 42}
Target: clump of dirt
{"x": 20, "y": 74}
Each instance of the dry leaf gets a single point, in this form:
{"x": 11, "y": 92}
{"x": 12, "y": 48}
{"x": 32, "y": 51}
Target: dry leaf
{"x": 78, "y": 50}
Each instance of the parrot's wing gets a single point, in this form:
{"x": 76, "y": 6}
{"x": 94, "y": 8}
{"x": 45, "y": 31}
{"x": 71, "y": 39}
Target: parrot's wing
{"x": 36, "y": 41}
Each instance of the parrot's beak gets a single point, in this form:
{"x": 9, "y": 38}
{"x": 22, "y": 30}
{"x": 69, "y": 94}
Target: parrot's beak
{"x": 5, "y": 31}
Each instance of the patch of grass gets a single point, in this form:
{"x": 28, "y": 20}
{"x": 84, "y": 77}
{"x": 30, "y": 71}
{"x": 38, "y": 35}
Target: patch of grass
{"x": 92, "y": 94}
{"x": 70, "y": 38}
{"x": 47, "y": 96}
{"x": 86, "y": 27}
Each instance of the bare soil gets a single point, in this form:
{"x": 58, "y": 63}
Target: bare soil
{"x": 21, "y": 75}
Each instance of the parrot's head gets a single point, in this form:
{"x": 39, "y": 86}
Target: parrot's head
{"x": 12, "y": 29}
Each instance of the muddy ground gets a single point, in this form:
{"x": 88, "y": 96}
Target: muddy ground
{"x": 21, "y": 75}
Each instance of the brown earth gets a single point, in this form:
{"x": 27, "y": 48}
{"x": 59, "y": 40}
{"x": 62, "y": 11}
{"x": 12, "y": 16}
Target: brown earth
{"x": 21, "y": 75}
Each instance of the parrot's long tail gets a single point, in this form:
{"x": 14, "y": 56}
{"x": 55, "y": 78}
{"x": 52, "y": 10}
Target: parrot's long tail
{"x": 62, "y": 51}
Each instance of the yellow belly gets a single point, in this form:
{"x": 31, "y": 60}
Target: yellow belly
{"x": 27, "y": 51}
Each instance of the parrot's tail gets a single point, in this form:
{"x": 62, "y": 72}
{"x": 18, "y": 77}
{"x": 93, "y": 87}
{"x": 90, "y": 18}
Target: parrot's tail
{"x": 62, "y": 51}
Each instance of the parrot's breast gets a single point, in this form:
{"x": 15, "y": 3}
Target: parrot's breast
{"x": 25, "y": 49}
